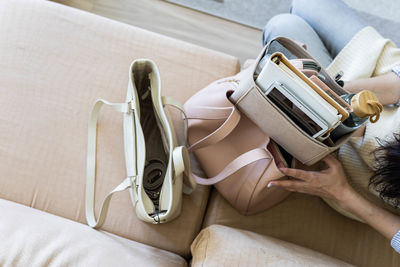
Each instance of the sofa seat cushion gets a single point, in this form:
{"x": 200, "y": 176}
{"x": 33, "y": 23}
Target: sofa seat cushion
{"x": 307, "y": 221}
{"x": 219, "y": 245}
{"x": 30, "y": 237}
{"x": 55, "y": 62}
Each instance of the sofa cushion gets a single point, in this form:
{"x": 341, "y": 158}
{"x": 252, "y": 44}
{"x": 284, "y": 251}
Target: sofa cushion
{"x": 55, "y": 61}
{"x": 219, "y": 245}
{"x": 307, "y": 221}
{"x": 30, "y": 237}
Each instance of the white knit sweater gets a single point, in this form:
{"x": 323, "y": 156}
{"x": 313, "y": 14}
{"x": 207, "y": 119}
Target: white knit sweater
{"x": 368, "y": 54}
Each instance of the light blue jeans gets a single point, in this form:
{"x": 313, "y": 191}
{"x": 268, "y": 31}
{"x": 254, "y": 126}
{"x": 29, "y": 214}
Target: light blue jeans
{"x": 325, "y": 26}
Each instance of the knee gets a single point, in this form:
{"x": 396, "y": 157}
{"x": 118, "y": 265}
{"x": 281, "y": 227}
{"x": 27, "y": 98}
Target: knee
{"x": 280, "y": 25}
{"x": 298, "y": 6}
{"x": 311, "y": 8}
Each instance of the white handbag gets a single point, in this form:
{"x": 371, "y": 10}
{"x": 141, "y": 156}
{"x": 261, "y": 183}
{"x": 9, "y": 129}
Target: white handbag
{"x": 156, "y": 165}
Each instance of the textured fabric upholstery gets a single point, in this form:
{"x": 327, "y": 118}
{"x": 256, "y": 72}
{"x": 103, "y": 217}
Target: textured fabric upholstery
{"x": 219, "y": 245}
{"x": 55, "y": 61}
{"x": 308, "y": 221}
{"x": 30, "y": 237}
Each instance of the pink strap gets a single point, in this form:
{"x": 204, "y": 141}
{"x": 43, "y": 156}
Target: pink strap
{"x": 224, "y": 130}
{"x": 238, "y": 163}
{"x": 208, "y": 113}
{"x": 232, "y": 116}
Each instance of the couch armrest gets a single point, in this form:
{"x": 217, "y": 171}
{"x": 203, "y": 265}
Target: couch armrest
{"x": 30, "y": 237}
{"x": 219, "y": 245}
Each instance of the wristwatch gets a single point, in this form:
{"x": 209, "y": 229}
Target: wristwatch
{"x": 396, "y": 70}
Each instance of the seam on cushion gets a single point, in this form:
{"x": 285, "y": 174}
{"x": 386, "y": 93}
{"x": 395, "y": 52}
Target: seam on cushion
{"x": 197, "y": 245}
{"x": 214, "y": 191}
{"x": 205, "y": 250}
{"x": 208, "y": 201}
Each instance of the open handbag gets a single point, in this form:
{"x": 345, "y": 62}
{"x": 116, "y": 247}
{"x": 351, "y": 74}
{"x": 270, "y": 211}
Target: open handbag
{"x": 156, "y": 170}
{"x": 324, "y": 95}
{"x": 241, "y": 137}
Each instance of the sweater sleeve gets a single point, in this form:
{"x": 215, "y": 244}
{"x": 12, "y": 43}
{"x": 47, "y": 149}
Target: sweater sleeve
{"x": 395, "y": 243}
{"x": 367, "y": 54}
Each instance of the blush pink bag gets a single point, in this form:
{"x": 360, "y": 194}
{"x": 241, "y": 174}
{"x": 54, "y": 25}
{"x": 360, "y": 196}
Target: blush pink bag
{"x": 237, "y": 156}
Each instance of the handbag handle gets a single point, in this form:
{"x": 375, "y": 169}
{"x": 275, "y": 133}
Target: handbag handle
{"x": 189, "y": 183}
{"x": 181, "y": 157}
{"x": 241, "y": 161}
{"x": 232, "y": 116}
{"x": 221, "y": 132}
{"x": 91, "y": 165}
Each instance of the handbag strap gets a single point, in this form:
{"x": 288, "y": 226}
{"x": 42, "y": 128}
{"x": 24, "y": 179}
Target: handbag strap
{"x": 241, "y": 161}
{"x": 166, "y": 100}
{"x": 181, "y": 157}
{"x": 91, "y": 165}
{"x": 231, "y": 116}
{"x": 180, "y": 152}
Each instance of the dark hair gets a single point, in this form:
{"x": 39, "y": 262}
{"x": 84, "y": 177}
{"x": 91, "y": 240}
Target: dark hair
{"x": 386, "y": 177}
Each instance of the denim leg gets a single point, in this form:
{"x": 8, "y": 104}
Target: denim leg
{"x": 334, "y": 21}
{"x": 296, "y": 28}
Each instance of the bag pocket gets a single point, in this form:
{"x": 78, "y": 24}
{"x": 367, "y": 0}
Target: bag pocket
{"x": 281, "y": 128}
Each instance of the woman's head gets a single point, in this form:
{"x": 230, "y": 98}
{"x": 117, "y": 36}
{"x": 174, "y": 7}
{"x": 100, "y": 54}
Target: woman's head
{"x": 386, "y": 177}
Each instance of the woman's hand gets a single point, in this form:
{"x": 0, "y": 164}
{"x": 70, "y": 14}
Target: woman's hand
{"x": 330, "y": 183}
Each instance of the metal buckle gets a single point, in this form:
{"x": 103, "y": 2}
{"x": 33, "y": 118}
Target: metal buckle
{"x": 157, "y": 221}
{"x": 130, "y": 106}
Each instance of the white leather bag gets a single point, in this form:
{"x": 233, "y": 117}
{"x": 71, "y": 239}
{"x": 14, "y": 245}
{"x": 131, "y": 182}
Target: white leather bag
{"x": 155, "y": 164}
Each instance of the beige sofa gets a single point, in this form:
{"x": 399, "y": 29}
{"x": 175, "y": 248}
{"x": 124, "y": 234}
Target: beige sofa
{"x": 54, "y": 62}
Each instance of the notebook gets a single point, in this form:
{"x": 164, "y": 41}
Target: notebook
{"x": 276, "y": 70}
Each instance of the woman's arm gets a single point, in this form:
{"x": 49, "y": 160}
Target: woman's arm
{"x": 386, "y": 87}
{"x": 332, "y": 183}
{"x": 382, "y": 220}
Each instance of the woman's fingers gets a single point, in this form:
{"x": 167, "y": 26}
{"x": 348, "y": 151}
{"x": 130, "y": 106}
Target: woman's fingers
{"x": 299, "y": 174}
{"x": 287, "y": 184}
{"x": 331, "y": 161}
